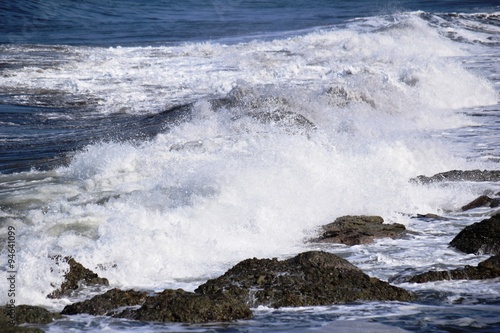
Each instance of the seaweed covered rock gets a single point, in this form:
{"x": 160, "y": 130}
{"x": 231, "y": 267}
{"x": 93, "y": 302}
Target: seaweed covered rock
{"x": 105, "y": 303}
{"x": 354, "y": 230}
{"x": 480, "y": 238}
{"x": 75, "y": 277}
{"x": 460, "y": 176}
{"x": 309, "y": 279}
{"x": 24, "y": 314}
{"x": 488, "y": 269}
{"x": 181, "y": 306}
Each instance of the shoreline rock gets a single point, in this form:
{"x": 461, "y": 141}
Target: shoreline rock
{"x": 25, "y": 314}
{"x": 460, "y": 176}
{"x": 355, "y": 230}
{"x": 75, "y": 277}
{"x": 186, "y": 307}
{"x": 101, "y": 305}
{"x": 488, "y": 269}
{"x": 167, "y": 306}
{"x": 308, "y": 279}
{"x": 479, "y": 238}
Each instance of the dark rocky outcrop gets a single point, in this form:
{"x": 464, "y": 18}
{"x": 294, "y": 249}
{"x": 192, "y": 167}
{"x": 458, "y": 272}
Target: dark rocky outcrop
{"x": 76, "y": 276}
{"x": 488, "y": 269}
{"x": 480, "y": 238}
{"x": 482, "y": 201}
{"x": 354, "y": 230}
{"x": 24, "y": 314}
{"x": 460, "y": 176}
{"x": 309, "y": 279}
{"x": 181, "y": 306}
{"x": 341, "y": 97}
{"x": 105, "y": 303}
{"x": 167, "y": 306}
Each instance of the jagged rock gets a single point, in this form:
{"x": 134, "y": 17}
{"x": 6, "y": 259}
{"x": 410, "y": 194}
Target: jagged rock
{"x": 75, "y": 277}
{"x": 103, "y": 304}
{"x": 354, "y": 230}
{"x": 480, "y": 238}
{"x": 482, "y": 201}
{"x": 308, "y": 279}
{"x": 460, "y": 176}
{"x": 431, "y": 216}
{"x": 181, "y": 306}
{"x": 488, "y": 269}
{"x": 24, "y": 314}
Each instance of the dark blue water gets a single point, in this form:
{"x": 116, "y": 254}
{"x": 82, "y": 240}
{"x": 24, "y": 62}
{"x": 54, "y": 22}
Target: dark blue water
{"x": 131, "y": 22}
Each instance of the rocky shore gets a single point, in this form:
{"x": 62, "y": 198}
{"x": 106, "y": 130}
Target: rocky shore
{"x": 308, "y": 279}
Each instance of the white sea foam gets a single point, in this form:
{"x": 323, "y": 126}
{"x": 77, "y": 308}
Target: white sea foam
{"x": 224, "y": 186}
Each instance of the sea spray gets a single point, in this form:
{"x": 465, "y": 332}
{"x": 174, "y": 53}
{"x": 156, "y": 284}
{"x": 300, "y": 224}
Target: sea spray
{"x": 230, "y": 181}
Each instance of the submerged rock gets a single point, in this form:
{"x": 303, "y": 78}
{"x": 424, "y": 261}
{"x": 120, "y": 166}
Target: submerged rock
{"x": 460, "y": 176}
{"x": 488, "y": 269}
{"x": 309, "y": 279}
{"x": 354, "y": 230}
{"x": 480, "y": 238}
{"x": 105, "y": 303}
{"x": 482, "y": 201}
{"x": 76, "y": 276}
{"x": 431, "y": 216}
{"x": 24, "y": 314}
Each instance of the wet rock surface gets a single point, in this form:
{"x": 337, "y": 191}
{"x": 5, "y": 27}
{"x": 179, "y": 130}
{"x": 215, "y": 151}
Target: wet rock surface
{"x": 431, "y": 217}
{"x": 24, "y": 314}
{"x": 309, "y": 279}
{"x": 482, "y": 201}
{"x": 460, "y": 176}
{"x": 19, "y": 329}
{"x": 167, "y": 306}
{"x": 76, "y": 276}
{"x": 354, "y": 230}
{"x": 488, "y": 269}
{"x": 181, "y": 306}
{"x": 480, "y": 238}
{"x": 103, "y": 304}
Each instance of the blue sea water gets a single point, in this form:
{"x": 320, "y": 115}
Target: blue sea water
{"x": 139, "y": 138}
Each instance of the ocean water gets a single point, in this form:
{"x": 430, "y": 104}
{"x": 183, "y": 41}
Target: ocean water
{"x": 159, "y": 143}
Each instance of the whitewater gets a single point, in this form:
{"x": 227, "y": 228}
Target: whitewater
{"x": 244, "y": 147}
